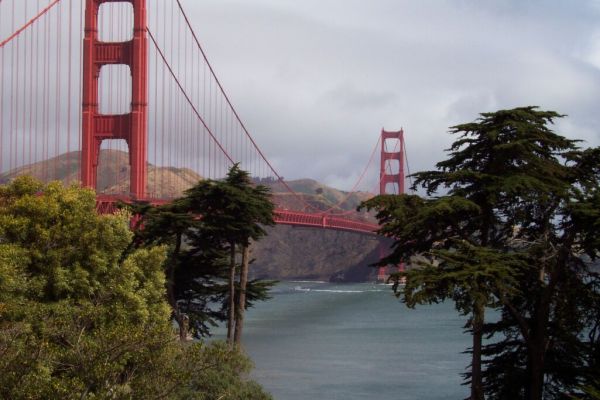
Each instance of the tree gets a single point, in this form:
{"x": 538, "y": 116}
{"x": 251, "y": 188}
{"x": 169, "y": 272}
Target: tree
{"x": 74, "y": 320}
{"x": 195, "y": 266}
{"x": 508, "y": 232}
{"x": 234, "y": 212}
{"x": 452, "y": 262}
{"x": 216, "y": 372}
{"x": 81, "y": 318}
{"x": 208, "y": 230}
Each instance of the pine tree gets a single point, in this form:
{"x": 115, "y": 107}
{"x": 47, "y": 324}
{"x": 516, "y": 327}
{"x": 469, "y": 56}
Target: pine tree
{"x": 192, "y": 275}
{"x": 209, "y": 229}
{"x": 234, "y": 213}
{"x": 518, "y": 209}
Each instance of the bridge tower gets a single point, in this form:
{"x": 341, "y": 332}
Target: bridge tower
{"x": 131, "y": 127}
{"x": 389, "y": 174}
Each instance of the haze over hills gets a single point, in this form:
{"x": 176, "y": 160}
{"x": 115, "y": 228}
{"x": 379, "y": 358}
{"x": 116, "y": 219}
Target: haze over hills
{"x": 113, "y": 174}
{"x": 286, "y": 253}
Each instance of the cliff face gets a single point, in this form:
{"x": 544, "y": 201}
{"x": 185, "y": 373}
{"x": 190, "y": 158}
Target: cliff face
{"x": 303, "y": 253}
{"x": 307, "y": 253}
{"x": 286, "y": 253}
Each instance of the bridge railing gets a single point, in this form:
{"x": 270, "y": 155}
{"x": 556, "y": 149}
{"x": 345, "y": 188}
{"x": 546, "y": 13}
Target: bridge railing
{"x": 296, "y": 218}
{"x": 106, "y": 204}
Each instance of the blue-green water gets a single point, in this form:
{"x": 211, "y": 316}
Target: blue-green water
{"x": 354, "y": 341}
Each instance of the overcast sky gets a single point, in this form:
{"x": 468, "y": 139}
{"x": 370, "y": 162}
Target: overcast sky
{"x": 316, "y": 80}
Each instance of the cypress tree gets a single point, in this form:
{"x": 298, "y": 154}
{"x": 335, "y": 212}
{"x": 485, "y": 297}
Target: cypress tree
{"x": 518, "y": 208}
{"x": 209, "y": 229}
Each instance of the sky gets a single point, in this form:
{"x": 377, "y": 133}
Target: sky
{"x": 315, "y": 81}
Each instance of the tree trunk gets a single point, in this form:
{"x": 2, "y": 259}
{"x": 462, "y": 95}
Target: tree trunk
{"x": 476, "y": 377}
{"x": 231, "y": 311}
{"x": 241, "y": 307}
{"x": 179, "y": 317}
{"x": 535, "y": 369}
{"x": 537, "y": 348}
{"x": 478, "y": 319}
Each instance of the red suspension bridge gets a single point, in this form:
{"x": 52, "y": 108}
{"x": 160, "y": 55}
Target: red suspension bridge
{"x": 83, "y": 83}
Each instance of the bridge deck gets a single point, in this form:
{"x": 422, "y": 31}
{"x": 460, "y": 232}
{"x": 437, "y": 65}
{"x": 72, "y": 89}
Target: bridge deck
{"x": 106, "y": 204}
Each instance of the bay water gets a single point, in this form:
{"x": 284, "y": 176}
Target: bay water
{"x": 317, "y": 340}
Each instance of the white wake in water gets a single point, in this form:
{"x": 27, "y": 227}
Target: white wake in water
{"x": 301, "y": 289}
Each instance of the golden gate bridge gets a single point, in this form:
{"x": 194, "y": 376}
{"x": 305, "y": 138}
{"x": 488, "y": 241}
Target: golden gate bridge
{"x": 85, "y": 81}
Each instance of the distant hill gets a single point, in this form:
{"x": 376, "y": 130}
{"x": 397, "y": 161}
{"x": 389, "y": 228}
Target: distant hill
{"x": 113, "y": 174}
{"x": 305, "y": 253}
{"x": 286, "y": 253}
{"x": 317, "y": 194}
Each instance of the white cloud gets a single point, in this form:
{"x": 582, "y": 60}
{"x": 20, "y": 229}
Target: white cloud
{"x": 316, "y": 80}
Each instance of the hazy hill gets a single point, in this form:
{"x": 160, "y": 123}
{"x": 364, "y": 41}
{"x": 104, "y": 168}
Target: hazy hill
{"x": 318, "y": 195}
{"x": 113, "y": 174}
{"x": 304, "y": 253}
{"x": 286, "y": 253}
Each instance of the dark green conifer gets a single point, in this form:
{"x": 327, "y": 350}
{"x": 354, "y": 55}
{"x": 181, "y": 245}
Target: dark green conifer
{"x": 515, "y": 208}
{"x": 210, "y": 230}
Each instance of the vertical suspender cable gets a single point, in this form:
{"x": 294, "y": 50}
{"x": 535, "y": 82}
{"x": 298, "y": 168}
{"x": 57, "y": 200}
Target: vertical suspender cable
{"x": 58, "y": 90}
{"x": 192, "y": 156}
{"x": 204, "y": 135}
{"x": 36, "y": 110}
{"x": 24, "y": 131}
{"x": 183, "y": 92}
{"x": 210, "y": 144}
{"x": 178, "y": 60}
{"x": 163, "y": 98}
{"x": 171, "y": 108}
{"x": 18, "y": 109}
{"x": 407, "y": 164}
{"x": 196, "y": 100}
{"x": 48, "y": 102}
{"x": 30, "y": 130}
{"x": 215, "y": 130}
{"x": 155, "y": 105}
{"x": 14, "y": 71}
{"x": 199, "y": 134}
{"x": 180, "y": 108}
{"x": 224, "y": 133}
{"x": 46, "y": 94}
{"x": 80, "y": 89}
{"x": 184, "y": 144}
{"x": 2, "y": 70}
{"x": 69, "y": 91}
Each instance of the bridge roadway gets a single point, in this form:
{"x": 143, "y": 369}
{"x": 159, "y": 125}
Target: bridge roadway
{"x": 106, "y": 204}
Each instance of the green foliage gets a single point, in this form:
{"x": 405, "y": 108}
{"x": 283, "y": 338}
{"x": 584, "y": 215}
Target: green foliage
{"x": 201, "y": 229}
{"x": 216, "y": 372}
{"x": 465, "y": 273}
{"x": 79, "y": 318}
{"x": 233, "y": 210}
{"x": 195, "y": 268}
{"x": 517, "y": 215}
{"x": 73, "y": 320}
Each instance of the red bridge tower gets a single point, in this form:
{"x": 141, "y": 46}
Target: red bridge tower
{"x": 386, "y": 171}
{"x": 388, "y": 174}
{"x": 131, "y": 127}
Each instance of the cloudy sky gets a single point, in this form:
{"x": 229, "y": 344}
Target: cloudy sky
{"x": 316, "y": 80}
